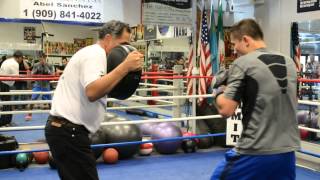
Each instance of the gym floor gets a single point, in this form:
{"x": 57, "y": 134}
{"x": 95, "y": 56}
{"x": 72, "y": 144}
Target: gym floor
{"x": 199, "y": 165}
{"x": 179, "y": 166}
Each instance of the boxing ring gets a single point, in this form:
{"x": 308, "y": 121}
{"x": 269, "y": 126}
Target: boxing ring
{"x": 199, "y": 165}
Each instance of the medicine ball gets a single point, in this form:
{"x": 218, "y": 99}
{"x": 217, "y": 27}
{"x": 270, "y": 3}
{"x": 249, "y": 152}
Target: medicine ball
{"x": 189, "y": 146}
{"x": 166, "y": 130}
{"x": 122, "y": 133}
{"x": 22, "y": 161}
{"x": 41, "y": 157}
{"x": 97, "y": 138}
{"x": 203, "y": 129}
{"x": 215, "y": 125}
{"x": 128, "y": 85}
{"x": 110, "y": 156}
{"x": 146, "y": 149}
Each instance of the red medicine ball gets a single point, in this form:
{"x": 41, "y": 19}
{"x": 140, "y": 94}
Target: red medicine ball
{"x": 110, "y": 156}
{"x": 304, "y": 134}
{"x": 41, "y": 157}
{"x": 146, "y": 149}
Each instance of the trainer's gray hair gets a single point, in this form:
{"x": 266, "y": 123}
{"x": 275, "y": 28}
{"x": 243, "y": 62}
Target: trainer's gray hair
{"x": 114, "y": 28}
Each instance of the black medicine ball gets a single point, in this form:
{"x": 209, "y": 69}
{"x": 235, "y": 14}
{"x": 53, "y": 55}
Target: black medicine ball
{"x": 128, "y": 85}
{"x": 189, "y": 146}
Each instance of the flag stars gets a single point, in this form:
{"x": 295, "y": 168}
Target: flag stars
{"x": 204, "y": 28}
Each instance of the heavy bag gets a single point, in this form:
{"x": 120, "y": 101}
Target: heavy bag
{"x": 128, "y": 85}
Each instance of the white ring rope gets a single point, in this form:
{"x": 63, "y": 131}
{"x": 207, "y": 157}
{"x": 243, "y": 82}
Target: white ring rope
{"x": 108, "y": 108}
{"x": 25, "y": 112}
{"x": 138, "y": 122}
{"x": 313, "y": 87}
{"x": 310, "y": 129}
{"x": 30, "y": 92}
{"x": 27, "y": 92}
{"x": 306, "y": 102}
{"x": 111, "y": 99}
{"x": 25, "y": 102}
{"x": 119, "y": 122}
{"x": 163, "y": 97}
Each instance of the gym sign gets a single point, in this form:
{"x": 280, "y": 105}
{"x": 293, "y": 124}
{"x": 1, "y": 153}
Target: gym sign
{"x": 167, "y": 12}
{"x": 63, "y": 10}
{"x": 308, "y": 5}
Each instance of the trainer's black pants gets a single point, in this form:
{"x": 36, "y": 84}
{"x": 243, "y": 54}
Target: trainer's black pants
{"x": 70, "y": 148}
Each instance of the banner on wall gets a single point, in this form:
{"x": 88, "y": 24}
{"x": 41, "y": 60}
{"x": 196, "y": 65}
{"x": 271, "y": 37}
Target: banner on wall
{"x": 167, "y": 12}
{"x": 63, "y": 10}
{"x": 308, "y": 5}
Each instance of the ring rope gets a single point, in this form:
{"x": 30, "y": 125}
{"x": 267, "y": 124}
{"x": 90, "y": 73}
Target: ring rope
{"x": 108, "y": 108}
{"x": 28, "y": 78}
{"x": 309, "y": 153}
{"x": 309, "y": 129}
{"x": 139, "y": 98}
{"x": 112, "y": 99}
{"x": 27, "y": 92}
{"x": 314, "y": 103}
{"x": 119, "y": 122}
{"x": 120, "y": 144}
{"x": 54, "y": 77}
{"x": 142, "y": 142}
{"x": 30, "y": 92}
{"x": 309, "y": 80}
{"x": 48, "y": 78}
{"x": 176, "y": 77}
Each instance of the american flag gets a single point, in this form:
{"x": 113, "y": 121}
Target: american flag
{"x": 204, "y": 51}
{"x": 189, "y": 73}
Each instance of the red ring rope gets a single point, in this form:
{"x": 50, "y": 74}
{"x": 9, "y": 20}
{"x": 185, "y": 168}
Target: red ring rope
{"x": 309, "y": 80}
{"x": 48, "y": 78}
{"x": 29, "y": 78}
{"x": 175, "y": 77}
{"x": 53, "y": 77}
